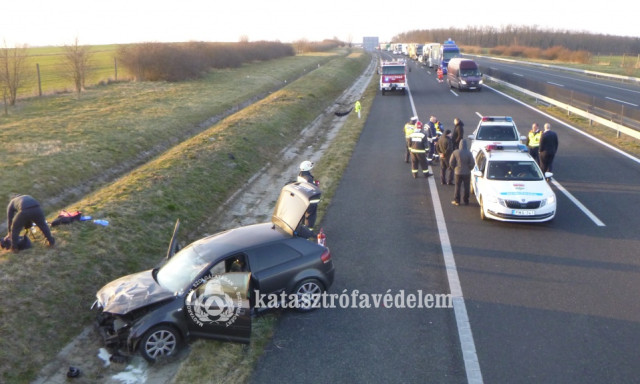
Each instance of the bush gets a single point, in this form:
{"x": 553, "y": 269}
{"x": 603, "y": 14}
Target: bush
{"x": 184, "y": 61}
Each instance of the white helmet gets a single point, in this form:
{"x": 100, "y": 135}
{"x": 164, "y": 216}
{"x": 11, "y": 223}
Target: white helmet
{"x": 306, "y": 165}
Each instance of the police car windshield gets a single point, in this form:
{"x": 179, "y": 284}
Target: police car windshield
{"x": 497, "y": 133}
{"x": 513, "y": 170}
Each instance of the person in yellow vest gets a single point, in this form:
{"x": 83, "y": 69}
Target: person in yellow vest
{"x": 533, "y": 142}
{"x": 409, "y": 127}
{"x": 358, "y": 108}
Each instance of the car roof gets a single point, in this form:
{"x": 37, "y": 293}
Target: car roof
{"x": 237, "y": 240}
{"x": 507, "y": 155}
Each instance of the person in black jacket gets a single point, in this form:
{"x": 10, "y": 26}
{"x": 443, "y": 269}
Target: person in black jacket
{"x": 462, "y": 163}
{"x": 22, "y": 212}
{"x": 445, "y": 149}
{"x": 458, "y": 132}
{"x": 547, "y": 148}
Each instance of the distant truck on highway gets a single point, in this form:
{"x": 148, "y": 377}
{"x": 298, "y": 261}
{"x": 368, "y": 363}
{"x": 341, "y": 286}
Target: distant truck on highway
{"x": 448, "y": 51}
{"x": 431, "y": 54}
{"x": 464, "y": 74}
{"x": 415, "y": 51}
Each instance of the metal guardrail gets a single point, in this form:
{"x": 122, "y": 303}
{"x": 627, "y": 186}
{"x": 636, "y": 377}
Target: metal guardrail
{"x": 571, "y": 109}
{"x": 583, "y": 71}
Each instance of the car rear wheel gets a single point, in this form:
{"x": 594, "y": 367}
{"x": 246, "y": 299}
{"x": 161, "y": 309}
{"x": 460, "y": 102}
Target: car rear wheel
{"x": 159, "y": 343}
{"x": 308, "y": 292}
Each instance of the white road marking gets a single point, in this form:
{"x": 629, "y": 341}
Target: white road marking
{"x": 468, "y": 346}
{"x": 578, "y": 204}
{"x": 556, "y": 84}
{"x": 620, "y": 101}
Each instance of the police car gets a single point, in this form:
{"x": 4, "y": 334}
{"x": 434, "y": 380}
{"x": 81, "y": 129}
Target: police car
{"x": 509, "y": 185}
{"x": 498, "y": 130}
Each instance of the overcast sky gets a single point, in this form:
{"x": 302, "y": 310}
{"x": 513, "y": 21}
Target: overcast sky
{"x": 93, "y": 22}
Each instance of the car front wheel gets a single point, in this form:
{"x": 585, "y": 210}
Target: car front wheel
{"x": 159, "y": 343}
{"x": 308, "y": 293}
{"x": 482, "y": 215}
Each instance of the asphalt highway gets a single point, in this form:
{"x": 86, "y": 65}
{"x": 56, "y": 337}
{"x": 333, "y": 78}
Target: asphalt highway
{"x": 546, "y": 303}
{"x": 626, "y": 94}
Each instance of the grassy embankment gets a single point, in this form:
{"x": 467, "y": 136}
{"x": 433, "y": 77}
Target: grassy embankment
{"x": 53, "y": 146}
{"x": 64, "y": 140}
{"x": 234, "y": 362}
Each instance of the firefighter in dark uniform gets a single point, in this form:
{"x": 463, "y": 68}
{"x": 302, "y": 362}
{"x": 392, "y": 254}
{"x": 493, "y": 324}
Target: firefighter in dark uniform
{"x": 409, "y": 127}
{"x": 305, "y": 176}
{"x": 22, "y": 212}
{"x": 432, "y": 137}
{"x": 417, "y": 143}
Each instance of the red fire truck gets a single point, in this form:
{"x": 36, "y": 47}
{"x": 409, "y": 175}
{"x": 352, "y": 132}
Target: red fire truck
{"x": 393, "y": 75}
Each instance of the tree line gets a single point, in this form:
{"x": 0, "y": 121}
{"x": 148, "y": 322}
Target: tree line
{"x": 528, "y": 36}
{"x": 184, "y": 61}
{"x": 153, "y": 61}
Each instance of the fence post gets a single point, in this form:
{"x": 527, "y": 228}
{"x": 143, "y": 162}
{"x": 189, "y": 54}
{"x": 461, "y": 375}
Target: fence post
{"x": 39, "y": 81}
{"x": 115, "y": 65}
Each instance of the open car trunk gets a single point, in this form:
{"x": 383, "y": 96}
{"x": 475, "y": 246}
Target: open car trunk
{"x": 292, "y": 204}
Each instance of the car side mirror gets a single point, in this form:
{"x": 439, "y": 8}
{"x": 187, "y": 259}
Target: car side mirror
{"x": 548, "y": 175}
{"x": 477, "y": 172}
{"x": 472, "y": 137}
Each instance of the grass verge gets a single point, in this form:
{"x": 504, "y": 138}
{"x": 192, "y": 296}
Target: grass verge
{"x": 45, "y": 294}
{"x": 234, "y": 363}
{"x": 58, "y": 148}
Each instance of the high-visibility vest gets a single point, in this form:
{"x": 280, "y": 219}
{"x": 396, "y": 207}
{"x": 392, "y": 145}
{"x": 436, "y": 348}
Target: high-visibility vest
{"x": 408, "y": 129}
{"x": 534, "y": 138}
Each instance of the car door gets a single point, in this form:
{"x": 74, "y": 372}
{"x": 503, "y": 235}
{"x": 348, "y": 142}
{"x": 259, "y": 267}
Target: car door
{"x": 217, "y": 307}
{"x": 478, "y": 172}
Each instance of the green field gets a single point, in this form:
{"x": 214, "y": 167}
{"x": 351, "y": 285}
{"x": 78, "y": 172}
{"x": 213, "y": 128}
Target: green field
{"x": 54, "y": 73}
{"x": 139, "y": 155}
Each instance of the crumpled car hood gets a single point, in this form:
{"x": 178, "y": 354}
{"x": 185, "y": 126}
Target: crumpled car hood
{"x": 131, "y": 292}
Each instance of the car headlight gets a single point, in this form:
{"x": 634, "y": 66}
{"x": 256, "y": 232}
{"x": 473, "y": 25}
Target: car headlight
{"x": 496, "y": 200}
{"x": 549, "y": 200}
{"x": 480, "y": 82}
{"x": 463, "y": 82}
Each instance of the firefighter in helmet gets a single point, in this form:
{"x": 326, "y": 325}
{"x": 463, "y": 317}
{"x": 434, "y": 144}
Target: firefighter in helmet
{"x": 409, "y": 127}
{"x": 305, "y": 176}
{"x": 417, "y": 143}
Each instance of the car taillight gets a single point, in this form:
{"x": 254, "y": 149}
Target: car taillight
{"x": 326, "y": 256}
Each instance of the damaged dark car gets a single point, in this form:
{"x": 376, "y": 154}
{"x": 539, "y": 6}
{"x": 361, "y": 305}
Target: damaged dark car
{"x": 209, "y": 288}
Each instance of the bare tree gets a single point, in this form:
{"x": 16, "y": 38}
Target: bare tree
{"x": 78, "y": 57}
{"x": 12, "y": 71}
